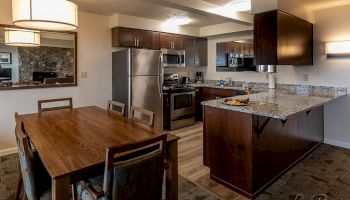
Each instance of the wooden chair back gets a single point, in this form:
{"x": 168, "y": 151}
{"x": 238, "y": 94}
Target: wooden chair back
{"x": 42, "y": 102}
{"x": 27, "y": 160}
{"x": 139, "y": 167}
{"x": 121, "y": 107}
{"x": 142, "y": 115}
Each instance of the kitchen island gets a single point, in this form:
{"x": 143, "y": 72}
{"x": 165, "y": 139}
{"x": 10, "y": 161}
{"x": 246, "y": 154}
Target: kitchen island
{"x": 248, "y": 147}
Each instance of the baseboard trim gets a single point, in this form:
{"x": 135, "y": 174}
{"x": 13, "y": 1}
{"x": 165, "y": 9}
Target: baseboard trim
{"x": 9, "y": 151}
{"x": 337, "y": 143}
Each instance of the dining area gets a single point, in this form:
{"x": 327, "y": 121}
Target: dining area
{"x": 94, "y": 153}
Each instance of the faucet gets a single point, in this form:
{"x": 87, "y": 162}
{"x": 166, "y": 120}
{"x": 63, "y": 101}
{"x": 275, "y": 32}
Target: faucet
{"x": 229, "y": 80}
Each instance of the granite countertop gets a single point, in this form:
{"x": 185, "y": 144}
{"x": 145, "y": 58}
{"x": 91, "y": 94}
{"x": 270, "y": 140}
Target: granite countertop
{"x": 274, "y": 104}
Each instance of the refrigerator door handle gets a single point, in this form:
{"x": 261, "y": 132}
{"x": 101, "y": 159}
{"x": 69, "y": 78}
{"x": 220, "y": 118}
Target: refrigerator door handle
{"x": 161, "y": 74}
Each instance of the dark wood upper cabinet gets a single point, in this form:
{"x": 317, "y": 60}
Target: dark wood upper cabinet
{"x": 171, "y": 41}
{"x": 282, "y": 39}
{"x": 221, "y": 54}
{"x": 127, "y": 37}
{"x": 155, "y": 40}
{"x": 190, "y": 49}
{"x": 196, "y": 51}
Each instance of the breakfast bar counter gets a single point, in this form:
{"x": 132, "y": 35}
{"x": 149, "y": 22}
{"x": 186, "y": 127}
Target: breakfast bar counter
{"x": 273, "y": 104}
{"x": 248, "y": 147}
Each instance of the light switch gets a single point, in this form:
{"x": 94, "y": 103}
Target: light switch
{"x": 83, "y": 75}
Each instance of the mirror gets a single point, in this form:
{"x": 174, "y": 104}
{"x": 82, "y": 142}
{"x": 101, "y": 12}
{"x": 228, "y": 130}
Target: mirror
{"x": 50, "y": 64}
{"x": 235, "y": 56}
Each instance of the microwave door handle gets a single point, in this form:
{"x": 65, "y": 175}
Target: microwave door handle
{"x": 180, "y": 58}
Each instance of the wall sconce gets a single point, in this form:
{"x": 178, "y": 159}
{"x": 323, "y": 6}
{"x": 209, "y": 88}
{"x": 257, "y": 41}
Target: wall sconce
{"x": 338, "y": 49}
{"x": 22, "y": 37}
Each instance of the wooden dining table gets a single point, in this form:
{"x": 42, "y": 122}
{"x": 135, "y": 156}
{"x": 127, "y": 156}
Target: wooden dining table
{"x": 72, "y": 144}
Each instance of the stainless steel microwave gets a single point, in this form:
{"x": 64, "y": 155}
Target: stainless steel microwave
{"x": 173, "y": 58}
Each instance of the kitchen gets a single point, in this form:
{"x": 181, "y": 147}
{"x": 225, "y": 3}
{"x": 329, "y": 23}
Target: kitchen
{"x": 94, "y": 77}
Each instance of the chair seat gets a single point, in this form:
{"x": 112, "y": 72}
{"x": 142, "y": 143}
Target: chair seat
{"x": 82, "y": 188}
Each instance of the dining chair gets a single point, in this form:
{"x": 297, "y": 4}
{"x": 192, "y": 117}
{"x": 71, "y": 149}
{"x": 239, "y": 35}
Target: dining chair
{"x": 121, "y": 106}
{"x": 42, "y": 102}
{"x": 139, "y": 115}
{"x": 36, "y": 180}
{"x": 130, "y": 173}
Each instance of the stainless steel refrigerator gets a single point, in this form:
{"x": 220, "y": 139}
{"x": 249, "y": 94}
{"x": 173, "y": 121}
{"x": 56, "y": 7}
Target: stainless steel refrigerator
{"x": 138, "y": 79}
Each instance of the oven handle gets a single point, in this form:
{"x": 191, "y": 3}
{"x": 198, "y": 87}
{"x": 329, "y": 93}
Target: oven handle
{"x": 181, "y": 93}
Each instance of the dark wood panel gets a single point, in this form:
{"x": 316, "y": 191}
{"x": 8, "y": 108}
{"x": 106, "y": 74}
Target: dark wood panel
{"x": 261, "y": 148}
{"x": 126, "y": 37}
{"x": 190, "y": 48}
{"x": 295, "y": 40}
{"x": 165, "y": 40}
{"x": 265, "y": 38}
{"x": 201, "y": 58}
{"x": 282, "y": 39}
{"x": 221, "y": 54}
{"x": 227, "y": 146}
{"x": 144, "y": 39}
{"x": 155, "y": 40}
{"x": 178, "y": 42}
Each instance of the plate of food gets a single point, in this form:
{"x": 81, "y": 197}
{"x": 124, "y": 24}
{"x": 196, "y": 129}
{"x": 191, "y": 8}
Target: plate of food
{"x": 237, "y": 102}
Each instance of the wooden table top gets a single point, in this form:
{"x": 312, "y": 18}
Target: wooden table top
{"x": 71, "y": 140}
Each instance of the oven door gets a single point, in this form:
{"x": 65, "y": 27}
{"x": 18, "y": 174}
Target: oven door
{"x": 182, "y": 104}
{"x": 173, "y": 58}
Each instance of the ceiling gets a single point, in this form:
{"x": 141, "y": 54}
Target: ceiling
{"x": 196, "y": 10}
{"x": 143, "y": 9}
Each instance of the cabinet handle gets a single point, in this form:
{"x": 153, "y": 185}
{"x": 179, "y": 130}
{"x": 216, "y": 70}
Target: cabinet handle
{"x": 138, "y": 42}
{"x": 135, "y": 44}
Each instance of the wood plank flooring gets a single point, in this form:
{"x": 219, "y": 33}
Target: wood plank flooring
{"x": 191, "y": 162}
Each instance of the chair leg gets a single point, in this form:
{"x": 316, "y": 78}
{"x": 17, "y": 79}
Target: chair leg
{"x": 19, "y": 186}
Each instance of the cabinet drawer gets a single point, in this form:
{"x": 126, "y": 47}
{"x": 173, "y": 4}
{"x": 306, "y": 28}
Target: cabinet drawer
{"x": 212, "y": 93}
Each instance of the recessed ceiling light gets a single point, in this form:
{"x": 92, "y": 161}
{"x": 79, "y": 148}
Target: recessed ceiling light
{"x": 240, "y": 5}
{"x": 178, "y": 21}
{"x": 59, "y": 15}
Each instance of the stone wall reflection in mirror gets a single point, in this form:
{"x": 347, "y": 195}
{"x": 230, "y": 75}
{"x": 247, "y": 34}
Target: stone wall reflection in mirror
{"x": 52, "y": 64}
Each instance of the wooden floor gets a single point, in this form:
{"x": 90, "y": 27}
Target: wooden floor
{"x": 191, "y": 162}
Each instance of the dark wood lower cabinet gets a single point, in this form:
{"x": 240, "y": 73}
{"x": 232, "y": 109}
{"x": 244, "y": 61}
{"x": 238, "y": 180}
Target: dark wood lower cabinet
{"x": 247, "y": 152}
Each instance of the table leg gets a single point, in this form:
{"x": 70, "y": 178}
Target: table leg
{"x": 172, "y": 172}
{"x": 60, "y": 188}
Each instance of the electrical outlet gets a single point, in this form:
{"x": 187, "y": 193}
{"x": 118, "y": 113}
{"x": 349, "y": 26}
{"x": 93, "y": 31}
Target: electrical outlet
{"x": 83, "y": 75}
{"x": 305, "y": 77}
{"x": 266, "y": 76}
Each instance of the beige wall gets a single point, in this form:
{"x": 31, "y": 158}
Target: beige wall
{"x": 330, "y": 25}
{"x": 94, "y": 57}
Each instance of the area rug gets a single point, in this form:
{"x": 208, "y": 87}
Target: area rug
{"x": 190, "y": 191}
{"x": 325, "y": 172}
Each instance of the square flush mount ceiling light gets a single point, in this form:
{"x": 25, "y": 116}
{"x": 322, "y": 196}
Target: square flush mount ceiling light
{"x": 178, "y": 21}
{"x": 338, "y": 49}
{"x": 58, "y": 15}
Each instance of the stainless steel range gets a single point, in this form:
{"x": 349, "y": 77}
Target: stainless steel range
{"x": 179, "y": 103}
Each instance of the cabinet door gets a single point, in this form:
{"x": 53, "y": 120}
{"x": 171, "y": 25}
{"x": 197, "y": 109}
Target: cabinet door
{"x": 221, "y": 57}
{"x": 201, "y": 58}
{"x": 144, "y": 39}
{"x": 155, "y": 40}
{"x": 178, "y": 42}
{"x": 127, "y": 37}
{"x": 165, "y": 40}
{"x": 189, "y": 46}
